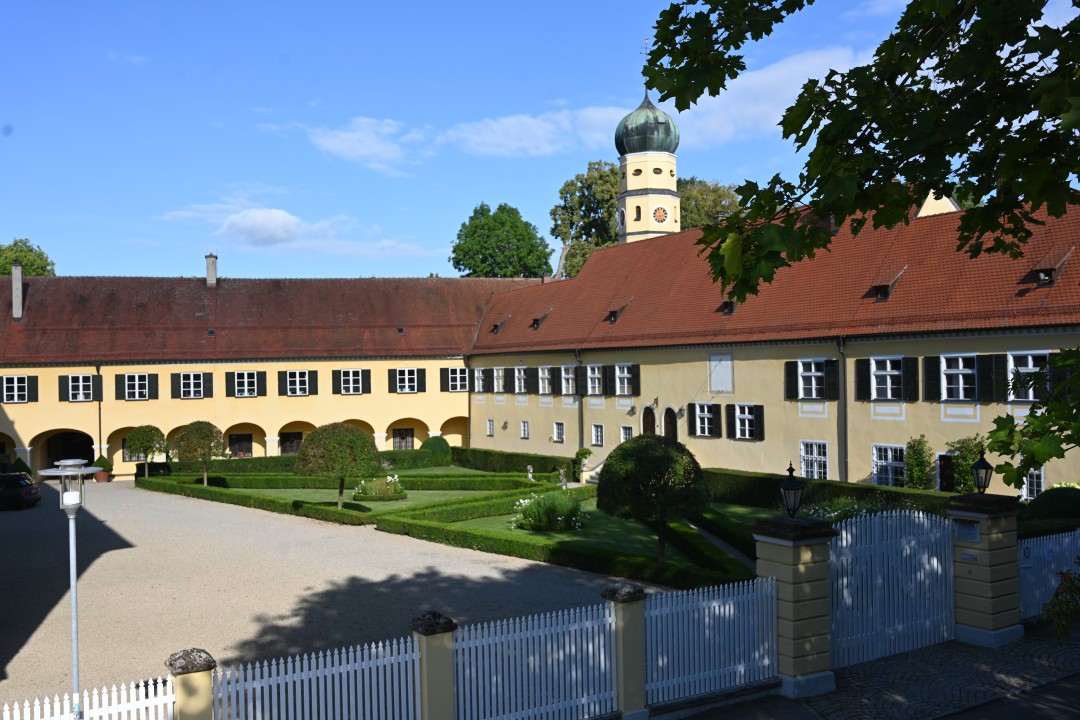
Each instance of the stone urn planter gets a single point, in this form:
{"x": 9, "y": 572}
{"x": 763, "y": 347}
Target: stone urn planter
{"x": 105, "y": 474}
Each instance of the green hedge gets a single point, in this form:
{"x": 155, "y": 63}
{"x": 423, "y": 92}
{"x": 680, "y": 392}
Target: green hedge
{"x": 499, "y": 461}
{"x": 466, "y": 482}
{"x": 731, "y": 531}
{"x": 234, "y": 466}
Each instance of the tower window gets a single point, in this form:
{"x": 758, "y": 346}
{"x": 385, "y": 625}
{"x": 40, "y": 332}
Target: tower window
{"x": 657, "y": 171}
{"x": 637, "y": 172}
{"x": 637, "y": 212}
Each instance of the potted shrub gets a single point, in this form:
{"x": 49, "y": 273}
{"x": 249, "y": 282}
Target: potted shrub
{"x": 105, "y": 474}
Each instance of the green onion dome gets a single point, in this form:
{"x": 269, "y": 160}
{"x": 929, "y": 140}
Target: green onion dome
{"x": 647, "y": 129}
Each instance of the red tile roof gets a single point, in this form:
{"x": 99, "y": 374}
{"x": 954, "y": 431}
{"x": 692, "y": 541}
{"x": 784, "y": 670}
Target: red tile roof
{"x": 117, "y": 319}
{"x": 665, "y": 294}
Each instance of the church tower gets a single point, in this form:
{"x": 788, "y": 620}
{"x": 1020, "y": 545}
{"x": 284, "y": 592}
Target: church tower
{"x": 648, "y": 199}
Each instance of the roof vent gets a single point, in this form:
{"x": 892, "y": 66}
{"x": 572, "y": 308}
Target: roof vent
{"x": 498, "y": 326}
{"x": 538, "y": 321}
{"x": 885, "y": 282}
{"x": 211, "y": 332}
{"x": 614, "y": 315}
{"x": 401, "y": 330}
{"x": 727, "y": 307}
{"x": 1048, "y": 269}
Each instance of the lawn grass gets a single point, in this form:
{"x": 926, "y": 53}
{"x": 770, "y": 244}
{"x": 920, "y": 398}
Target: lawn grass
{"x": 324, "y": 497}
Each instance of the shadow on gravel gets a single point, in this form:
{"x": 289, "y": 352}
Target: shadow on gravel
{"x": 36, "y": 570}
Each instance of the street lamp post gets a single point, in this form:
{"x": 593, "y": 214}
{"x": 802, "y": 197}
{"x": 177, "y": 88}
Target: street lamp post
{"x": 70, "y": 474}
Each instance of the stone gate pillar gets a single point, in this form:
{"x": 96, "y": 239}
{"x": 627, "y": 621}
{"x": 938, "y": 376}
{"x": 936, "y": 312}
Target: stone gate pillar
{"x": 193, "y": 682}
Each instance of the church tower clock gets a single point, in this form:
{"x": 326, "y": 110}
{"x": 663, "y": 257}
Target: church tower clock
{"x": 648, "y": 199}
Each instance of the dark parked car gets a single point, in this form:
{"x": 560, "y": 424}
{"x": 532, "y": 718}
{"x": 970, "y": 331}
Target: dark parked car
{"x": 18, "y": 491}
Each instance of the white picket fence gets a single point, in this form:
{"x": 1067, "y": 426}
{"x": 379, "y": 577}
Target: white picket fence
{"x": 379, "y": 681}
{"x": 710, "y": 640}
{"x": 149, "y": 700}
{"x": 558, "y": 666}
{"x": 892, "y": 585}
{"x": 1040, "y": 560}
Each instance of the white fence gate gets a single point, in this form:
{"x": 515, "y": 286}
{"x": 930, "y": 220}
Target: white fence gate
{"x": 558, "y": 666}
{"x": 379, "y": 681}
{"x": 892, "y": 585}
{"x": 706, "y": 641}
{"x": 147, "y": 700}
{"x": 1040, "y": 560}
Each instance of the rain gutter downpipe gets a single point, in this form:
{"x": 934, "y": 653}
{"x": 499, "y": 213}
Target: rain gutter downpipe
{"x": 842, "y": 411}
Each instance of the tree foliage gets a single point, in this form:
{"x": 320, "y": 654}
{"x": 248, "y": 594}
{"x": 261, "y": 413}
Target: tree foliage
{"x": 918, "y": 464}
{"x": 653, "y": 479}
{"x": 200, "y": 442}
{"x": 145, "y": 440}
{"x": 587, "y": 204}
{"x": 338, "y": 451}
{"x": 975, "y": 99}
{"x": 965, "y": 452}
{"x": 34, "y": 261}
{"x": 500, "y": 244}
{"x": 703, "y": 202}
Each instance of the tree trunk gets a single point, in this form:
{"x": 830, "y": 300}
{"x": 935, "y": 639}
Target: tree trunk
{"x": 204, "y": 474}
{"x": 340, "y": 493}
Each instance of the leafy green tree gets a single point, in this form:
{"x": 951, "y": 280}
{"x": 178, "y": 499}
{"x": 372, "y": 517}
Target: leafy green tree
{"x": 973, "y": 99}
{"x": 145, "y": 440}
{"x": 918, "y": 464}
{"x": 587, "y": 204}
{"x": 703, "y": 202}
{"x": 500, "y": 244}
{"x": 200, "y": 442}
{"x": 34, "y": 261}
{"x": 338, "y": 451}
{"x": 577, "y": 252}
{"x": 965, "y": 452}
{"x": 652, "y": 479}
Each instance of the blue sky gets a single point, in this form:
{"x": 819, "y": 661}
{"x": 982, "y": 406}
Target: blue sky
{"x": 348, "y": 139}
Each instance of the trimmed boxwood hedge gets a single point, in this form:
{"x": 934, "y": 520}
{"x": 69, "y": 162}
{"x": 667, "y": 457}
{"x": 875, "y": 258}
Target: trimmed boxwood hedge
{"x": 499, "y": 461}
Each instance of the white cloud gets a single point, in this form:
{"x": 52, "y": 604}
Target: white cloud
{"x": 261, "y": 226}
{"x": 129, "y": 59}
{"x": 536, "y": 135}
{"x": 875, "y": 8}
{"x": 378, "y": 144}
{"x": 215, "y": 213}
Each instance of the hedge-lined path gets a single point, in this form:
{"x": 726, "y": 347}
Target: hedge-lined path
{"x": 161, "y": 573}
{"x": 726, "y": 547}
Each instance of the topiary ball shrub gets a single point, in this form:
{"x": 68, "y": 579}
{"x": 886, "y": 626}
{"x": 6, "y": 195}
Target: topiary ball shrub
{"x": 338, "y": 451}
{"x": 550, "y": 511}
{"x": 439, "y": 449}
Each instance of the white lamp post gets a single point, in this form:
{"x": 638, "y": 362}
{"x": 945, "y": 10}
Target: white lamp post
{"x": 70, "y": 473}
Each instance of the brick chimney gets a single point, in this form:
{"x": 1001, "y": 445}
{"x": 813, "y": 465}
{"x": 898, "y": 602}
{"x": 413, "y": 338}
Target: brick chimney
{"x": 16, "y": 291}
{"x": 211, "y": 270}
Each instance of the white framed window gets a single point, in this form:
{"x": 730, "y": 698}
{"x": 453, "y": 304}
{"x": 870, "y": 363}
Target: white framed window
{"x": 524, "y": 429}
{"x": 1021, "y": 364}
{"x": 558, "y": 432}
{"x": 624, "y": 384}
{"x": 352, "y": 382}
{"x": 1034, "y": 484}
{"x": 544, "y": 375}
{"x": 625, "y": 433}
{"x": 136, "y": 386}
{"x": 81, "y": 388}
{"x": 811, "y": 379}
{"x": 598, "y": 435}
{"x": 490, "y": 428}
{"x": 569, "y": 383}
{"x": 745, "y": 427}
{"x": 191, "y": 385}
{"x": 246, "y": 383}
{"x": 958, "y": 378}
{"x": 15, "y": 389}
{"x": 704, "y": 420}
{"x": 406, "y": 380}
{"x": 888, "y": 463}
{"x": 595, "y": 375}
{"x": 721, "y": 374}
{"x": 499, "y": 380}
{"x": 459, "y": 379}
{"x": 814, "y": 459}
{"x": 478, "y": 380}
{"x": 519, "y": 380}
{"x": 888, "y": 379}
{"x": 296, "y": 383}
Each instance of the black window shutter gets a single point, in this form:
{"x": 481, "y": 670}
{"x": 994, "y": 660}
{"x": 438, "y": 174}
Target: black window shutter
{"x": 121, "y": 387}
{"x": 990, "y": 372}
{"x": 282, "y": 382}
{"x": 335, "y": 382}
{"x": 31, "y": 388}
{"x": 64, "y": 395}
{"x": 97, "y": 392}
{"x": 489, "y": 379}
{"x": 151, "y": 386}
{"x": 208, "y": 385}
{"x": 581, "y": 376}
{"x": 635, "y": 381}
{"x": 729, "y": 416}
{"x": 1001, "y": 377}
{"x": 608, "y": 374}
{"x": 862, "y": 380}
{"x": 391, "y": 381}
{"x": 230, "y": 384}
{"x": 421, "y": 380}
{"x": 909, "y": 371}
{"x": 532, "y": 381}
{"x": 759, "y": 422}
{"x": 791, "y": 380}
{"x": 312, "y": 382}
{"x": 832, "y": 380}
{"x": 365, "y": 382}
{"x": 932, "y": 378}
{"x": 260, "y": 383}
{"x": 444, "y": 379}
{"x": 691, "y": 419}
{"x": 715, "y": 410}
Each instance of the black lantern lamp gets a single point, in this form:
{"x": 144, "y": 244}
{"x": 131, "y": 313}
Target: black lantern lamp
{"x": 982, "y": 472}
{"x": 791, "y": 491}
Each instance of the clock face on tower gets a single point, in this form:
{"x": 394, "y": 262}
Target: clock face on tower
{"x": 660, "y": 215}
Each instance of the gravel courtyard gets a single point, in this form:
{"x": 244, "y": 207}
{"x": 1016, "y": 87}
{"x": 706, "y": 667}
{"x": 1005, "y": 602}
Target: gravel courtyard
{"x": 160, "y": 573}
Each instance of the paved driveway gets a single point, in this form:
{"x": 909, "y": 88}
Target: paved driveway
{"x": 160, "y": 573}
